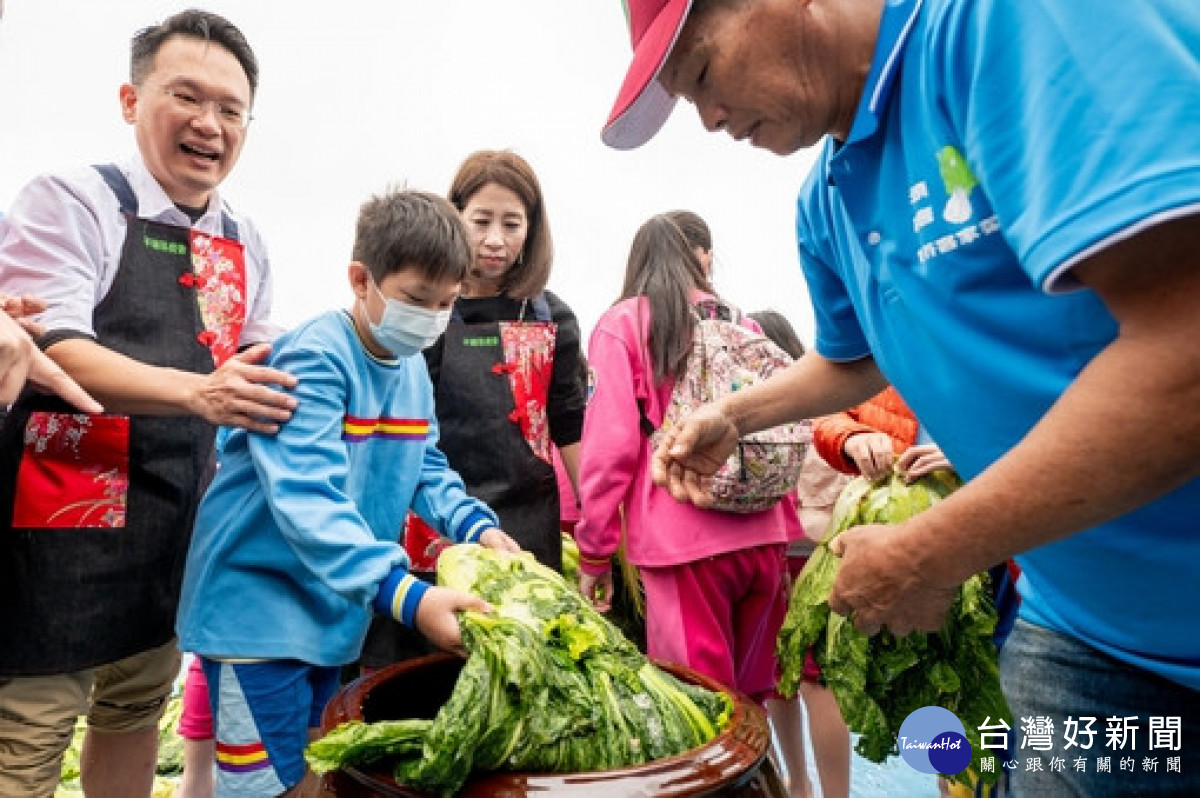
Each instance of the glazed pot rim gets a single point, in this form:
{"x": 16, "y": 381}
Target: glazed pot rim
{"x": 729, "y": 758}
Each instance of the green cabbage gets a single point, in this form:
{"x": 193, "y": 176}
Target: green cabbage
{"x": 550, "y": 685}
{"x": 878, "y": 681}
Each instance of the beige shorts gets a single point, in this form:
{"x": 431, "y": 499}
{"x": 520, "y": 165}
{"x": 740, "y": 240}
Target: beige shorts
{"x": 38, "y": 713}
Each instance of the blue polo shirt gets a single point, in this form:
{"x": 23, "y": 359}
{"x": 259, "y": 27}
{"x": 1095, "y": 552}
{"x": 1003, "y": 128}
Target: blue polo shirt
{"x": 996, "y": 144}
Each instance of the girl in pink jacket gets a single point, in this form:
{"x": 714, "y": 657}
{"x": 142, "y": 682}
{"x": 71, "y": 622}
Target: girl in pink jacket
{"x": 715, "y": 596}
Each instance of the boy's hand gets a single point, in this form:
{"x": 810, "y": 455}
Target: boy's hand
{"x": 495, "y": 538}
{"x": 437, "y": 616}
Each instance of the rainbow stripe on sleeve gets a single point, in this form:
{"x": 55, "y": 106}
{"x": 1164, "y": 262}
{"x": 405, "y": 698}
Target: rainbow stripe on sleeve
{"x": 241, "y": 758}
{"x": 356, "y": 429}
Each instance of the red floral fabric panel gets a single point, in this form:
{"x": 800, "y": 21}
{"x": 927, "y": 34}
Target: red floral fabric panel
{"x": 219, "y": 277}
{"x": 74, "y": 472}
{"x": 529, "y": 362}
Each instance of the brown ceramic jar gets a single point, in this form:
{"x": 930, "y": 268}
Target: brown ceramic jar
{"x": 734, "y": 763}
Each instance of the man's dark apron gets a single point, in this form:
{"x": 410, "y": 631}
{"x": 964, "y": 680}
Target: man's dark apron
{"x": 96, "y": 511}
{"x": 492, "y": 393}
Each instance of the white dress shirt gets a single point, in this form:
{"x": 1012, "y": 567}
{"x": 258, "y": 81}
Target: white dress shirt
{"x": 62, "y": 239}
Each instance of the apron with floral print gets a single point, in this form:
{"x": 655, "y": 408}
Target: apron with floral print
{"x": 97, "y": 510}
{"x": 492, "y": 393}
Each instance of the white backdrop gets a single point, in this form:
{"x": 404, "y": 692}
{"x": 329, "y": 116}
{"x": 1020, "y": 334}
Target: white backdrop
{"x": 361, "y": 94}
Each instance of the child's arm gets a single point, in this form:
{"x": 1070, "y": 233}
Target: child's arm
{"x": 442, "y": 501}
{"x": 430, "y": 610}
{"x": 478, "y": 528}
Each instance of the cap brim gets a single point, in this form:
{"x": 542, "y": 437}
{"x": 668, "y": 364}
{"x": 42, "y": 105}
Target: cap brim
{"x": 643, "y": 105}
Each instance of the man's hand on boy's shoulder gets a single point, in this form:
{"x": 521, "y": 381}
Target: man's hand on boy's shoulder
{"x": 437, "y": 616}
{"x": 239, "y": 393}
{"x": 495, "y": 538}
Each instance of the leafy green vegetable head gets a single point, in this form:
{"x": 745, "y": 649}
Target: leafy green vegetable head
{"x": 879, "y": 681}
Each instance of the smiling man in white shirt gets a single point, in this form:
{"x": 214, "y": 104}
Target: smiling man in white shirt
{"x": 157, "y": 300}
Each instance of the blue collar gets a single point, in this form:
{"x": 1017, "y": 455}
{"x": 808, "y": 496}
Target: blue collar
{"x": 894, "y": 29}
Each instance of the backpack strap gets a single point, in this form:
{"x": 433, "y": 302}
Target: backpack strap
{"x": 645, "y": 424}
{"x": 716, "y": 309}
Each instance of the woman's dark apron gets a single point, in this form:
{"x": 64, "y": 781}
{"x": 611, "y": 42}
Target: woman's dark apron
{"x": 96, "y": 511}
{"x": 492, "y": 393}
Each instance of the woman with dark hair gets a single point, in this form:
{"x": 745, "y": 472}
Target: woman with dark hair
{"x": 712, "y": 579}
{"x": 507, "y": 373}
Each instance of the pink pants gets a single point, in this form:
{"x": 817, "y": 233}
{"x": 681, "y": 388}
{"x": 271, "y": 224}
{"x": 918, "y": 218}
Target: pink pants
{"x": 195, "y": 721}
{"x": 720, "y": 616}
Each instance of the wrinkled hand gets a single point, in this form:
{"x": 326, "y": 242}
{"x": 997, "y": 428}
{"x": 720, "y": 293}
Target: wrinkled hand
{"x": 919, "y": 460}
{"x": 237, "y": 393}
{"x": 692, "y": 452}
{"x": 437, "y": 616}
{"x": 495, "y": 538}
{"x": 883, "y": 583}
{"x": 21, "y": 361}
{"x": 871, "y": 453}
{"x": 597, "y": 589}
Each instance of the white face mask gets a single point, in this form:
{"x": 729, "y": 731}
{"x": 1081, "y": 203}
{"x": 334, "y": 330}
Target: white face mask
{"x": 403, "y": 329}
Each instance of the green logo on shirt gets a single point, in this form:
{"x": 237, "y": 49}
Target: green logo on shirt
{"x": 959, "y": 181}
{"x": 487, "y": 340}
{"x": 159, "y": 245}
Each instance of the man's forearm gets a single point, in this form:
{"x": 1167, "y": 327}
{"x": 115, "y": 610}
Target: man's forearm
{"x": 810, "y": 387}
{"x": 122, "y": 384}
{"x": 1124, "y": 434}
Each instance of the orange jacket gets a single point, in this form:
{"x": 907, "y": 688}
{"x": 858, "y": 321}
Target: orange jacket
{"x": 885, "y": 412}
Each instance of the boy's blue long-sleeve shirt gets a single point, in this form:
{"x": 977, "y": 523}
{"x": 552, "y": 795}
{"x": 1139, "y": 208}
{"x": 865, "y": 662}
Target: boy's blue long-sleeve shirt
{"x": 298, "y": 530}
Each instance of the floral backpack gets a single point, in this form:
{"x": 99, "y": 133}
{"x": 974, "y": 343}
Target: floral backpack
{"x": 726, "y": 356}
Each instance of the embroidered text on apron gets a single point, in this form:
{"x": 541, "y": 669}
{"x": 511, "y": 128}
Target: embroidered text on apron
{"x": 492, "y": 392}
{"x": 96, "y": 510}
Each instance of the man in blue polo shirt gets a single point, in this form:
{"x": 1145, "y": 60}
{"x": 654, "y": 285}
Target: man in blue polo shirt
{"x": 1003, "y": 222}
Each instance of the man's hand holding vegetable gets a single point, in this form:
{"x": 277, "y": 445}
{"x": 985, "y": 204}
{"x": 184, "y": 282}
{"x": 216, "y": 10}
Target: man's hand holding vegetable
{"x": 890, "y": 583}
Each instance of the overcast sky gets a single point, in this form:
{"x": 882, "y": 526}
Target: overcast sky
{"x": 360, "y": 94}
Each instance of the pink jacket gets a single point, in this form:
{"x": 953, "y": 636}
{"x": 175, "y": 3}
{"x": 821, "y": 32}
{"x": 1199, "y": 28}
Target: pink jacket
{"x": 614, "y": 467}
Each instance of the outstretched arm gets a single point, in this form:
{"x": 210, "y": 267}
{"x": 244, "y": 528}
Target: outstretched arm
{"x": 1134, "y": 403}
{"x": 238, "y": 394}
{"x": 812, "y": 386}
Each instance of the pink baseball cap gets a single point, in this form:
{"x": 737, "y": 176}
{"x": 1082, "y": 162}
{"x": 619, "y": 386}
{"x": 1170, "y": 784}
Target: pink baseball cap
{"x": 643, "y": 105}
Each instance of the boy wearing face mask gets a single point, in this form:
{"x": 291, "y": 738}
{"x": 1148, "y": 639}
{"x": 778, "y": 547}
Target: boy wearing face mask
{"x": 295, "y": 543}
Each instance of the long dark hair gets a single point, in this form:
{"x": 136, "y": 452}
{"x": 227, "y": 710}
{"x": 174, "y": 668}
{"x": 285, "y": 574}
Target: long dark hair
{"x": 663, "y": 268}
